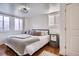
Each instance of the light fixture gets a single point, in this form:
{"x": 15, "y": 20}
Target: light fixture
{"x": 24, "y": 9}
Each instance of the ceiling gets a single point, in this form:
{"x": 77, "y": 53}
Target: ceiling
{"x": 35, "y": 8}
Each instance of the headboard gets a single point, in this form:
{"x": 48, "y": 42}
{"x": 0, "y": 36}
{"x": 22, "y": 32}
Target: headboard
{"x": 40, "y": 31}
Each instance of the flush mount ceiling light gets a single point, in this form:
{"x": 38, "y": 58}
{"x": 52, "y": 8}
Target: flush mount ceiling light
{"x": 24, "y": 9}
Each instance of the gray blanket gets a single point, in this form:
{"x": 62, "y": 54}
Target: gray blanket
{"x": 18, "y": 45}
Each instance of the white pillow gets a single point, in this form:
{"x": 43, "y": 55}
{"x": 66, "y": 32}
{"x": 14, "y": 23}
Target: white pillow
{"x": 44, "y": 33}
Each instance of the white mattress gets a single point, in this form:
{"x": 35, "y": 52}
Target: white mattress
{"x": 32, "y": 48}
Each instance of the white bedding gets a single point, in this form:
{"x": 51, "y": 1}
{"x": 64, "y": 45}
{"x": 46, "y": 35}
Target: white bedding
{"x": 18, "y": 45}
{"x": 27, "y": 46}
{"x": 32, "y": 48}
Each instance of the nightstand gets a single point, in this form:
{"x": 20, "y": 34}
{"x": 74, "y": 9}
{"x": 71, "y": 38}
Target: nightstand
{"x": 54, "y": 40}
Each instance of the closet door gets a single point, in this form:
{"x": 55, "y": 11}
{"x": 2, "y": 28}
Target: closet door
{"x": 72, "y": 29}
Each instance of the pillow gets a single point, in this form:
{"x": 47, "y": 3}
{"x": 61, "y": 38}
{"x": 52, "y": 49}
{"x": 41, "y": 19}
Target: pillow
{"x": 36, "y": 33}
{"x": 44, "y": 33}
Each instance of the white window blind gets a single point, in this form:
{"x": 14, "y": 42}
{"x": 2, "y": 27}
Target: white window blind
{"x": 51, "y": 20}
{"x": 18, "y": 24}
{"x": 21, "y": 24}
{"x": 6, "y": 23}
{"x": 1, "y": 23}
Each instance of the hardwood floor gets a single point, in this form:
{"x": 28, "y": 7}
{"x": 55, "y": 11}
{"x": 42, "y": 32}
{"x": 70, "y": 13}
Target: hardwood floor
{"x": 6, "y": 51}
{"x": 49, "y": 49}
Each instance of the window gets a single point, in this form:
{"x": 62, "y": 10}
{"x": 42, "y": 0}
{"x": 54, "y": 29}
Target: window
{"x": 51, "y": 20}
{"x": 21, "y": 24}
{"x": 1, "y": 23}
{"x": 10, "y": 23}
{"x": 18, "y": 24}
{"x": 4, "y": 23}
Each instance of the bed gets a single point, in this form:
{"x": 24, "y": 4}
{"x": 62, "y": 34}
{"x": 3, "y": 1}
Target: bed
{"x": 24, "y": 44}
{"x": 32, "y": 48}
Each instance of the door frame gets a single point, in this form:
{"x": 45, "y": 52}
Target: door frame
{"x": 66, "y": 29}
{"x": 64, "y": 18}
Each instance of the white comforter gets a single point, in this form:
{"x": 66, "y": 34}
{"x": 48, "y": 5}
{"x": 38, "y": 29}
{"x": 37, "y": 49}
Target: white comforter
{"x": 32, "y": 48}
{"x": 18, "y": 44}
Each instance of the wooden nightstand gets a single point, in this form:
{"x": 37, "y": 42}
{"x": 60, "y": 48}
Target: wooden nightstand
{"x": 54, "y": 40}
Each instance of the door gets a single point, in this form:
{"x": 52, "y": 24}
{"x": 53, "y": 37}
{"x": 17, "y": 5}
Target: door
{"x": 72, "y": 32}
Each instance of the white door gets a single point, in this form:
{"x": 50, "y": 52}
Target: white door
{"x": 72, "y": 32}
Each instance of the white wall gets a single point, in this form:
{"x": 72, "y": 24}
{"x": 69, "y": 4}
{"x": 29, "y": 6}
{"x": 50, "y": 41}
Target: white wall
{"x": 4, "y": 7}
{"x": 38, "y": 16}
{"x": 62, "y": 29}
{"x": 27, "y": 24}
{"x": 53, "y": 7}
{"x": 54, "y": 21}
{"x": 61, "y": 8}
{"x": 39, "y": 22}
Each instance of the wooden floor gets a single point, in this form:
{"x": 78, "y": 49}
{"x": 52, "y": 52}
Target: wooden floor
{"x": 49, "y": 49}
{"x": 6, "y": 51}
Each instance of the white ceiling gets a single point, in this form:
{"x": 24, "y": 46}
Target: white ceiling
{"x": 35, "y": 8}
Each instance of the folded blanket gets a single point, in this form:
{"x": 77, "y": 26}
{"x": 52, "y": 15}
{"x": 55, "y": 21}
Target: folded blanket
{"x": 20, "y": 36}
